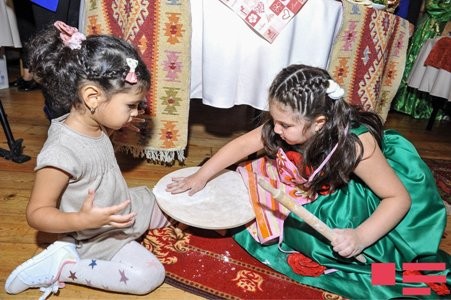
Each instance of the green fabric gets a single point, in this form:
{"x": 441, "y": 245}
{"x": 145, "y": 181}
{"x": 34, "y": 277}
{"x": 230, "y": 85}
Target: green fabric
{"x": 416, "y": 237}
{"x": 431, "y": 25}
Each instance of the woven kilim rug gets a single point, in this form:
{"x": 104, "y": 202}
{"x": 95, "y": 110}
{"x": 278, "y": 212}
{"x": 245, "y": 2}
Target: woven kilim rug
{"x": 368, "y": 56}
{"x": 161, "y": 30}
{"x": 216, "y": 267}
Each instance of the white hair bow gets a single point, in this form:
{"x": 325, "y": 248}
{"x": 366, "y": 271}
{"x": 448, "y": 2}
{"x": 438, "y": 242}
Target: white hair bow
{"x": 334, "y": 91}
{"x": 131, "y": 75}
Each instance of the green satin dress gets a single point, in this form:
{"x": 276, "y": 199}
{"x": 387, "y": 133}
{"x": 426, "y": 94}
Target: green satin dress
{"x": 431, "y": 25}
{"x": 415, "y": 238}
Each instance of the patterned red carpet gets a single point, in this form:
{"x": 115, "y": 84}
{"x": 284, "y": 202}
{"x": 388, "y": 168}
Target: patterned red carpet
{"x": 214, "y": 266}
{"x": 207, "y": 264}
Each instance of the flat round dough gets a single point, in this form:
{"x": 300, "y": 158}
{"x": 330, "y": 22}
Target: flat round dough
{"x": 223, "y": 203}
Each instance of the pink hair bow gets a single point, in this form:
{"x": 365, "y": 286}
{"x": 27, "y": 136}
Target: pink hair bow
{"x": 70, "y": 35}
{"x": 131, "y": 76}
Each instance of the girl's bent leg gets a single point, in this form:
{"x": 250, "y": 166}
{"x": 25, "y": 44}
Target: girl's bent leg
{"x": 133, "y": 270}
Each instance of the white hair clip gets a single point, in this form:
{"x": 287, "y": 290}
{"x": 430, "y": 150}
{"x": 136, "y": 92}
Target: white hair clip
{"x": 131, "y": 76}
{"x": 334, "y": 91}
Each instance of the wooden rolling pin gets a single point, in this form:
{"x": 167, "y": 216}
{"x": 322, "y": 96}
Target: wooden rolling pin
{"x": 303, "y": 213}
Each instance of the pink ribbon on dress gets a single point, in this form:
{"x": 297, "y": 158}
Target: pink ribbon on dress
{"x": 70, "y": 35}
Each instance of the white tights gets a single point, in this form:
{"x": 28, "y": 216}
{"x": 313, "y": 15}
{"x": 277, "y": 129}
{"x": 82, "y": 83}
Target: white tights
{"x": 133, "y": 269}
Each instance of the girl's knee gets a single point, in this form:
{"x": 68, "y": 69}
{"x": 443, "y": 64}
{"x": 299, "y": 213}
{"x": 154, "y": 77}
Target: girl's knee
{"x": 151, "y": 276}
{"x": 144, "y": 270}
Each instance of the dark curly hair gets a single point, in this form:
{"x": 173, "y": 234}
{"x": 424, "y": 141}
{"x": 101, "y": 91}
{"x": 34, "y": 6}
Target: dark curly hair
{"x": 61, "y": 71}
{"x": 303, "y": 89}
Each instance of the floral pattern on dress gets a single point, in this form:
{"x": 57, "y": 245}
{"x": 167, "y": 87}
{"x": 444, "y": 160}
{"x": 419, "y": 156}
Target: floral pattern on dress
{"x": 288, "y": 166}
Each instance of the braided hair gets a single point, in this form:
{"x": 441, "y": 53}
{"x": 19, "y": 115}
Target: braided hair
{"x": 62, "y": 71}
{"x": 303, "y": 89}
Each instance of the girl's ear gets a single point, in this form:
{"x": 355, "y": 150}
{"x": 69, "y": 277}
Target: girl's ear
{"x": 91, "y": 96}
{"x": 319, "y": 122}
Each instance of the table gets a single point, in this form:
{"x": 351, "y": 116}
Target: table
{"x": 232, "y": 65}
{"x": 431, "y": 74}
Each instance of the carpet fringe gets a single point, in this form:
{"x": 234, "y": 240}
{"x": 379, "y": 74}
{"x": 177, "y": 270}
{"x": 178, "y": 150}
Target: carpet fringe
{"x": 155, "y": 155}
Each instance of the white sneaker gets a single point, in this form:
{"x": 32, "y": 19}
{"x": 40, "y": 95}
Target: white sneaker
{"x": 42, "y": 270}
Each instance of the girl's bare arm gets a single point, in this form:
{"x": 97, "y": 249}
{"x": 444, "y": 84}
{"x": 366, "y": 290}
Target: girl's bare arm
{"x": 43, "y": 213}
{"x": 378, "y": 175}
{"x": 229, "y": 154}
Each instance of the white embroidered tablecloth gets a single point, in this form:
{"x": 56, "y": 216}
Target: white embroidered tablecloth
{"x": 267, "y": 17}
{"x": 231, "y": 64}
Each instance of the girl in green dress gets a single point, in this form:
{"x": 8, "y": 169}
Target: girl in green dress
{"x": 369, "y": 185}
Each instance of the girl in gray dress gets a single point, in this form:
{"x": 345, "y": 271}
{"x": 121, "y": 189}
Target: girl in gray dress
{"x": 79, "y": 191}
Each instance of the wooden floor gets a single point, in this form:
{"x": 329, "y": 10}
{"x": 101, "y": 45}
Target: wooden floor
{"x": 209, "y": 129}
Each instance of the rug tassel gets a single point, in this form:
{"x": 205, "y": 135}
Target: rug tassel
{"x": 164, "y": 156}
